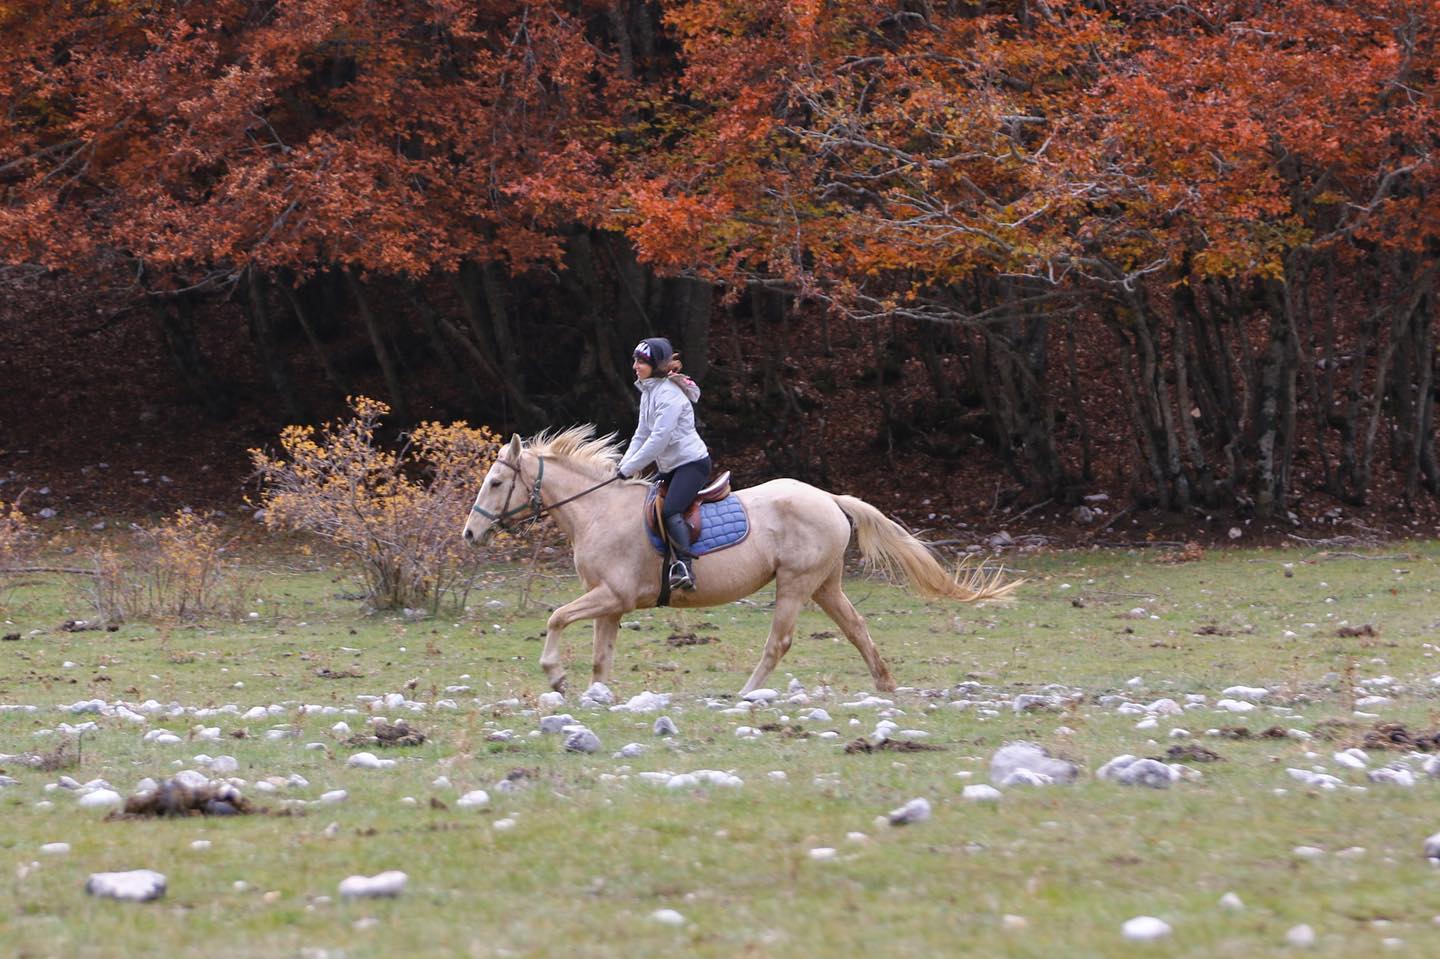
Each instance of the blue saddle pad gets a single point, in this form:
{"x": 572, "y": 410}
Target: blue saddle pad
{"x": 722, "y": 524}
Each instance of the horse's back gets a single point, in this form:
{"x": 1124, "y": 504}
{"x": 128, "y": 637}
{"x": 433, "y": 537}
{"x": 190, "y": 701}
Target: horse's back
{"x": 789, "y": 505}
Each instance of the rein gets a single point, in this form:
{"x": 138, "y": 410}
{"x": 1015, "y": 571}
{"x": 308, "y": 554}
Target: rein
{"x": 534, "y": 506}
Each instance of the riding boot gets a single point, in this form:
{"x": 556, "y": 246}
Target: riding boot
{"x": 682, "y": 571}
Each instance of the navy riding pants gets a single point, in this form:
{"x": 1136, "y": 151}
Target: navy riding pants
{"x": 685, "y": 481}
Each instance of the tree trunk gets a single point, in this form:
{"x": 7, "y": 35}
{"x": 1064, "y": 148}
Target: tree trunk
{"x": 382, "y": 351}
{"x": 272, "y": 358}
{"x": 177, "y": 333}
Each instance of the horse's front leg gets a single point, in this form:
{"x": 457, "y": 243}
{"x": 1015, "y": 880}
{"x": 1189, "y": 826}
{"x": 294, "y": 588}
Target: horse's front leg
{"x": 606, "y": 629}
{"x": 600, "y": 601}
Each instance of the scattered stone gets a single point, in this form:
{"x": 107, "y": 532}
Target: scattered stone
{"x": 980, "y": 793}
{"x": 668, "y": 917}
{"x": 474, "y": 799}
{"x": 1014, "y": 757}
{"x": 385, "y": 885}
{"x": 582, "y": 741}
{"x": 1145, "y": 929}
{"x": 1432, "y": 847}
{"x": 101, "y": 799}
{"x": 369, "y": 761}
{"x": 1301, "y": 937}
{"x": 598, "y": 695}
{"x": 136, "y": 885}
{"x": 55, "y": 848}
{"x": 821, "y": 853}
{"x": 665, "y": 726}
{"x": 1232, "y": 902}
{"x": 556, "y": 723}
{"x": 1132, "y": 771}
{"x": 916, "y": 810}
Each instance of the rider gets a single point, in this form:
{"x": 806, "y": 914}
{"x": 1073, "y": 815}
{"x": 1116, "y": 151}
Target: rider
{"x": 666, "y": 436}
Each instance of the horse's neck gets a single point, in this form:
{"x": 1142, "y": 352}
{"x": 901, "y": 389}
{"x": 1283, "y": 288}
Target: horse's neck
{"x": 576, "y": 518}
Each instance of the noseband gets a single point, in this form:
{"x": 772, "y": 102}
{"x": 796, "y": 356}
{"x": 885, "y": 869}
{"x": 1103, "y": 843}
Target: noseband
{"x": 535, "y": 505}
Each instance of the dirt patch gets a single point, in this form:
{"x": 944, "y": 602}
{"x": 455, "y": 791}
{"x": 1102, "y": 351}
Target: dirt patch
{"x": 10, "y": 638}
{"x": 891, "y": 746}
{"x": 1364, "y": 629}
{"x": 1333, "y": 729}
{"x": 1275, "y": 732}
{"x": 1191, "y": 752}
{"x": 688, "y": 639}
{"x": 1210, "y": 629}
{"x": 173, "y": 799}
{"x": 786, "y": 731}
{"x": 325, "y": 672}
{"x": 1396, "y": 736}
{"x": 85, "y": 626}
{"x": 1235, "y": 732}
{"x": 388, "y": 734}
{"x": 66, "y": 755}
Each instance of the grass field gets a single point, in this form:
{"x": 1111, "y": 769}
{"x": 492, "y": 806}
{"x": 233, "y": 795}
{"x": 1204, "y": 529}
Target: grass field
{"x": 577, "y": 859}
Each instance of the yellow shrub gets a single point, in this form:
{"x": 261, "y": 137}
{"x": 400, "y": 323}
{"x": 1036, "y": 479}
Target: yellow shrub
{"x": 396, "y": 514}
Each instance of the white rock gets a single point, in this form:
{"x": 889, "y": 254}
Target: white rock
{"x": 630, "y": 750}
{"x": 582, "y": 741}
{"x": 1145, "y": 929}
{"x": 1432, "y": 847}
{"x": 1349, "y": 761}
{"x": 599, "y": 694}
{"x": 1307, "y": 852}
{"x": 682, "y": 781}
{"x": 1301, "y": 937}
{"x": 334, "y": 796}
{"x": 980, "y": 793}
{"x": 668, "y": 917}
{"x": 1392, "y": 775}
{"x": 1028, "y": 756}
{"x": 200, "y": 845}
{"x": 916, "y": 810}
{"x": 136, "y": 885}
{"x": 385, "y": 884}
{"x": 646, "y": 702}
{"x": 822, "y": 853}
{"x": 369, "y": 761}
{"x": 1255, "y": 693}
{"x": 474, "y": 799}
{"x": 761, "y": 696}
{"x": 101, "y": 799}
{"x": 1232, "y": 902}
{"x": 55, "y": 848}
{"x": 779, "y": 775}
{"x": 1025, "y": 777}
{"x": 1235, "y": 706}
{"x": 665, "y": 726}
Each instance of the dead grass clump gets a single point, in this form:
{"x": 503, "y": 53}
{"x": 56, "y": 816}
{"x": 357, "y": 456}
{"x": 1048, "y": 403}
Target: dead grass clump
{"x": 1397, "y": 736}
{"x": 863, "y": 745}
{"x": 174, "y": 799}
{"x": 399, "y": 733}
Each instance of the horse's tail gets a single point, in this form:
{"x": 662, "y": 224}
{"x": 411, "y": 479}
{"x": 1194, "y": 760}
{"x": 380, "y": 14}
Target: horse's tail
{"x": 886, "y": 544}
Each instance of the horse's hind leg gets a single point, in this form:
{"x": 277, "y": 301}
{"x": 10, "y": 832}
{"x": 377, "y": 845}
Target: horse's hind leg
{"x": 832, "y": 599}
{"x": 782, "y": 632}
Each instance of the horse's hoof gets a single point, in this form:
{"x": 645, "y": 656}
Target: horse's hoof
{"x": 558, "y": 684}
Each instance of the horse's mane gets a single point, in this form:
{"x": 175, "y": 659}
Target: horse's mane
{"x": 579, "y": 446}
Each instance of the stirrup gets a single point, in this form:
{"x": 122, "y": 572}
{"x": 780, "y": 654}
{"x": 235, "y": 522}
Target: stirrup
{"x": 681, "y": 575}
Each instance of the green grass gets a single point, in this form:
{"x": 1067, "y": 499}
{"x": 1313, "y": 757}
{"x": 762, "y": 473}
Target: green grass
{"x": 595, "y": 850}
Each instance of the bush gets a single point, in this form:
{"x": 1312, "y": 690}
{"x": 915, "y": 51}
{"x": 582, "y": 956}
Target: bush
{"x": 18, "y": 543}
{"x": 397, "y": 515}
{"x": 180, "y": 568}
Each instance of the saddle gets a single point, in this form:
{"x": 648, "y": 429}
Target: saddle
{"x": 713, "y": 492}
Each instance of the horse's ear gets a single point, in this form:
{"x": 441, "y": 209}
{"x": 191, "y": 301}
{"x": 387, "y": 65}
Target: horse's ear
{"x": 514, "y": 448}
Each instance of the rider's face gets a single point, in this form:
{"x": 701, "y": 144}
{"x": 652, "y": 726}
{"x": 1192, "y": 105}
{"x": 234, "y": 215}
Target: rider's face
{"x": 643, "y": 370}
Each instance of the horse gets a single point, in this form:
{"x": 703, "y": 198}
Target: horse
{"x": 797, "y": 538}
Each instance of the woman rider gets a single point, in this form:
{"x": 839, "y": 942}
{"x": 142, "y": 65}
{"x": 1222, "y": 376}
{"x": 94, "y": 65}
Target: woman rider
{"x": 666, "y": 436}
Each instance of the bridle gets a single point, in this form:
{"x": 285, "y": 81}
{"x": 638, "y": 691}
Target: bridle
{"x": 535, "y": 506}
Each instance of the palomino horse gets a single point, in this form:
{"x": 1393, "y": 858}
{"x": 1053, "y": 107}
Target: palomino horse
{"x": 798, "y": 535}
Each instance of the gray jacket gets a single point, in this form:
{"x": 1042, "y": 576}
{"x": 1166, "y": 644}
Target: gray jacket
{"x": 666, "y": 433}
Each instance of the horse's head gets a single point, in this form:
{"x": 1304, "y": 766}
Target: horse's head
{"x": 502, "y": 495}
